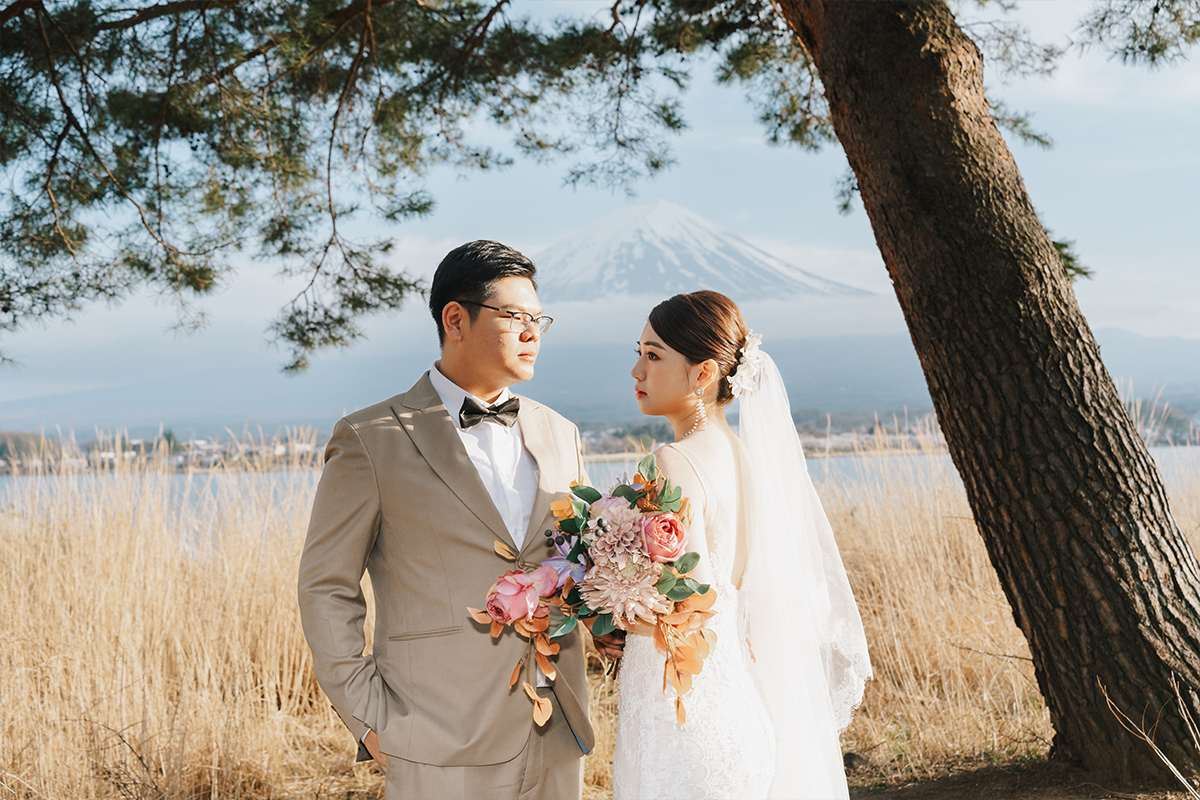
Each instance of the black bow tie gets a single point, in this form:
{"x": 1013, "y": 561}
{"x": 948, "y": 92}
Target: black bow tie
{"x": 473, "y": 412}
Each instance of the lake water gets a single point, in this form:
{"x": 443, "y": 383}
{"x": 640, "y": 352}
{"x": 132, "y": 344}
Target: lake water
{"x": 848, "y": 472}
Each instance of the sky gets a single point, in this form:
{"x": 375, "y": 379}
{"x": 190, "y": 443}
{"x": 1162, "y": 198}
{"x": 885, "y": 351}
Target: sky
{"x": 1122, "y": 182}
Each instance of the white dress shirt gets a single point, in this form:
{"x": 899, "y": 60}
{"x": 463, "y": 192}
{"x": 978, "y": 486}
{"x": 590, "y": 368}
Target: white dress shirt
{"x": 506, "y": 468}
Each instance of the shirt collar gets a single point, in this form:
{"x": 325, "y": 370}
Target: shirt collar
{"x": 452, "y": 395}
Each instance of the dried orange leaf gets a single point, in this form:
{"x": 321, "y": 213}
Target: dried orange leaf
{"x": 677, "y": 618}
{"x": 479, "y": 616}
{"x": 547, "y": 668}
{"x": 504, "y": 551}
{"x": 688, "y": 659}
{"x": 541, "y": 705}
{"x": 538, "y": 624}
{"x": 680, "y": 714}
{"x": 698, "y": 602}
{"x": 685, "y": 682}
{"x": 516, "y": 673}
{"x": 542, "y": 711}
{"x": 562, "y": 509}
{"x": 497, "y": 628}
{"x": 660, "y": 639}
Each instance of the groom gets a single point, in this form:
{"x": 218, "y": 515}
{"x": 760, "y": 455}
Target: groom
{"x": 415, "y": 491}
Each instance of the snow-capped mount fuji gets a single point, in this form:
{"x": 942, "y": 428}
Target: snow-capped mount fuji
{"x": 661, "y": 249}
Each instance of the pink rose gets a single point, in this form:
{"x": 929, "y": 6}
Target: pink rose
{"x": 518, "y": 594}
{"x": 663, "y": 536}
{"x": 545, "y": 580}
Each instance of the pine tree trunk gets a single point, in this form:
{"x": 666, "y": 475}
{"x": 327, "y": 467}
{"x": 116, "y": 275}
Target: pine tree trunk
{"x": 1066, "y": 496}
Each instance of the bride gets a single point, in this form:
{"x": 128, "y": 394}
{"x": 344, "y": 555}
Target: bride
{"x": 788, "y": 667}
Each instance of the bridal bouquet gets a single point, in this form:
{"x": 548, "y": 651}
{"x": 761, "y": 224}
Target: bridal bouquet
{"x": 620, "y": 560}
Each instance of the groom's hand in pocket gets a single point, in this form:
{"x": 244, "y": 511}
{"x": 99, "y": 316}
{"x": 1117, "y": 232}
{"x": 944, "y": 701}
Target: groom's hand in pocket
{"x": 371, "y": 742}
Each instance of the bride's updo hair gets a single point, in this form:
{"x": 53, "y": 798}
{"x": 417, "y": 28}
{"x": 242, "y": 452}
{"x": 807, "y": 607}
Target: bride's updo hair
{"x": 700, "y": 326}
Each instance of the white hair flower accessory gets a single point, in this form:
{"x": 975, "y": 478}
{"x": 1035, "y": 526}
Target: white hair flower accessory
{"x": 749, "y": 366}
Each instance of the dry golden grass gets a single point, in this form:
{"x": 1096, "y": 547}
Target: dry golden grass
{"x": 953, "y": 678}
{"x": 152, "y": 649}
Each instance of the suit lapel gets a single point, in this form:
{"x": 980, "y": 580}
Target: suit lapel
{"x": 427, "y": 422}
{"x": 539, "y": 441}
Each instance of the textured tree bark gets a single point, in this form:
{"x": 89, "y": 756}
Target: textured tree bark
{"x": 1066, "y": 496}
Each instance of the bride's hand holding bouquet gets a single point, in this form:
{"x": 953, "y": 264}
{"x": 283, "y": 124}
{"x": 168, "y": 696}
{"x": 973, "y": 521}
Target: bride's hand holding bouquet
{"x": 620, "y": 562}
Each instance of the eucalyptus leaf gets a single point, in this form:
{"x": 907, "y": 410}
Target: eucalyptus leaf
{"x": 680, "y": 592}
{"x": 604, "y": 624}
{"x": 627, "y": 492}
{"x": 569, "y": 525}
{"x": 566, "y": 627}
{"x": 666, "y": 582}
{"x": 574, "y": 597}
{"x": 687, "y": 562}
{"x": 577, "y": 550}
{"x": 648, "y": 467}
{"x": 586, "y": 493}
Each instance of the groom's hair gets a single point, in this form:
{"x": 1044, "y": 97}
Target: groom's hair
{"x": 469, "y": 272}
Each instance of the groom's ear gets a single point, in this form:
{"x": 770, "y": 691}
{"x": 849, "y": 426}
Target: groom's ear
{"x": 454, "y": 318}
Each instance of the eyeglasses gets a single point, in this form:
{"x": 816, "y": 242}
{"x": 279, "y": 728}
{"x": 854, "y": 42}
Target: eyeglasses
{"x": 519, "y": 321}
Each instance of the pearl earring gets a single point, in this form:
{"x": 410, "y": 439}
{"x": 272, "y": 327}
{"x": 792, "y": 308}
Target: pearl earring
{"x": 701, "y": 415}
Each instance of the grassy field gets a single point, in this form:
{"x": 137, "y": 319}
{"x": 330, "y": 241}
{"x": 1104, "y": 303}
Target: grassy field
{"x": 151, "y": 648}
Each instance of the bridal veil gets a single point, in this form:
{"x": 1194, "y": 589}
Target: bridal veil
{"x": 805, "y": 633}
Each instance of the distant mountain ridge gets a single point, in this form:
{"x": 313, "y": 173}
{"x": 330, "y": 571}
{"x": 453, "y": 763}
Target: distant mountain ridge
{"x": 662, "y": 249}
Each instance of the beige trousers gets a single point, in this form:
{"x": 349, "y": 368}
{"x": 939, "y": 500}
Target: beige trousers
{"x": 550, "y": 767}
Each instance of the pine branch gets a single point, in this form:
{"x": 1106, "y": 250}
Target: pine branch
{"x": 166, "y": 10}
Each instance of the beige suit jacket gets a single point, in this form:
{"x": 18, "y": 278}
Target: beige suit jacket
{"x": 400, "y": 499}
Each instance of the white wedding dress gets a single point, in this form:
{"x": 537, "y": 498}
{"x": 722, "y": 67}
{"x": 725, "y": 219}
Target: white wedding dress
{"x": 790, "y": 661}
{"x": 726, "y": 749}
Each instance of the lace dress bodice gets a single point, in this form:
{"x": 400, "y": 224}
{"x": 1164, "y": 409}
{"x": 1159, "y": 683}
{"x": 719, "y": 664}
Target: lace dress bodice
{"x": 726, "y": 748}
